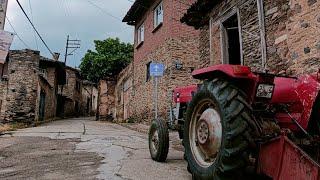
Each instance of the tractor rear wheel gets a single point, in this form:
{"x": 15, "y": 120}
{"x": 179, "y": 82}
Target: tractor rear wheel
{"x": 219, "y": 130}
{"x": 158, "y": 140}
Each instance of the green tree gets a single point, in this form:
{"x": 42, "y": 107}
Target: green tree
{"x": 109, "y": 58}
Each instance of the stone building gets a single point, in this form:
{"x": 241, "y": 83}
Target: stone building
{"x": 159, "y": 37}
{"x": 29, "y": 86}
{"x": 116, "y": 95}
{"x": 71, "y": 94}
{"x": 279, "y": 36}
{"x": 89, "y": 103}
{"x": 34, "y": 89}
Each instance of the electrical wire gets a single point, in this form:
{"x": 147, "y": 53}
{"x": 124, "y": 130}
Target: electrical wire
{"x": 24, "y": 43}
{"x": 104, "y": 11}
{"x": 34, "y": 34}
{"x": 24, "y": 12}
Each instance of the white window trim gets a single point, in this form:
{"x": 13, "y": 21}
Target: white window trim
{"x": 140, "y": 34}
{"x": 158, "y": 18}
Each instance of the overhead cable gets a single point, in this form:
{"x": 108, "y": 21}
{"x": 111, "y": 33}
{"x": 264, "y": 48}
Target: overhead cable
{"x": 24, "y": 12}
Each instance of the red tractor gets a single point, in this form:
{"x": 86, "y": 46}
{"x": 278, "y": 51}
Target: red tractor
{"x": 238, "y": 123}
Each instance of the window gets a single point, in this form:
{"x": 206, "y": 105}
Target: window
{"x": 148, "y": 72}
{"x": 158, "y": 15}
{"x": 43, "y": 73}
{"x": 127, "y": 84}
{"x": 140, "y": 34}
{"x": 231, "y": 41}
{"x": 78, "y": 86}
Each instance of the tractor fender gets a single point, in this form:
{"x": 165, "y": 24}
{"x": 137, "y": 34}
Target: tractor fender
{"x": 301, "y": 94}
{"x": 240, "y": 76}
{"x": 308, "y": 92}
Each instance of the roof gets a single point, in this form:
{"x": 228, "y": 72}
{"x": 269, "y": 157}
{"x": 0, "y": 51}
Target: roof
{"x": 46, "y": 62}
{"x": 50, "y": 62}
{"x": 86, "y": 82}
{"x": 198, "y": 14}
{"x": 138, "y": 9}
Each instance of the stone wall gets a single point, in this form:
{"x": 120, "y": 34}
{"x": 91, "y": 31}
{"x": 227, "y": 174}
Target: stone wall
{"x": 50, "y": 99}
{"x": 89, "y": 99}
{"x": 21, "y": 96}
{"x": 291, "y": 32}
{"x": 3, "y": 95}
{"x": 72, "y": 93}
{"x": 123, "y": 94}
{"x": 293, "y": 36}
{"x": 106, "y": 100}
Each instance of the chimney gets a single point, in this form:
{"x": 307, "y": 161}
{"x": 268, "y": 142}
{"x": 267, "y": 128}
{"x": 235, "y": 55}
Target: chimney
{"x": 56, "y": 56}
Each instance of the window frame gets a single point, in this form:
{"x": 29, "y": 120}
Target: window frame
{"x": 140, "y": 34}
{"x": 148, "y": 76}
{"x": 157, "y": 21}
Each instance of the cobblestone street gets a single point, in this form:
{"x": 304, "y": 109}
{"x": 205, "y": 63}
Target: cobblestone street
{"x": 84, "y": 149}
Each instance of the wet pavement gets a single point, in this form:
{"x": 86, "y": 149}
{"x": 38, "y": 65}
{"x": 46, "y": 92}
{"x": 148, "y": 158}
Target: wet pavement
{"x": 84, "y": 149}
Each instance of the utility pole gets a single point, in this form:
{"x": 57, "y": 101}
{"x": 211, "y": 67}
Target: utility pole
{"x": 73, "y": 45}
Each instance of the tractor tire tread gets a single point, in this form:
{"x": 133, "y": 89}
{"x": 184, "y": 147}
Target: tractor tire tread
{"x": 239, "y": 131}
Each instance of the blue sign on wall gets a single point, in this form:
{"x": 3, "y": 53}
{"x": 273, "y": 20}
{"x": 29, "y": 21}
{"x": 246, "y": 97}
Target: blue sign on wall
{"x": 156, "y": 69}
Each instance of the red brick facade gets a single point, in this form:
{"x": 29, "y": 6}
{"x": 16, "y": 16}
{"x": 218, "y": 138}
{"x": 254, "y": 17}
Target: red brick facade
{"x": 172, "y": 42}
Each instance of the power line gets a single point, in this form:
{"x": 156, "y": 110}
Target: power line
{"x": 17, "y": 33}
{"x": 34, "y": 34}
{"x": 104, "y": 11}
{"x": 34, "y": 27}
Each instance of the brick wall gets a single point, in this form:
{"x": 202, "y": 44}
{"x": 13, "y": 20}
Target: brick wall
{"x": 172, "y": 42}
{"x": 184, "y": 50}
{"x": 171, "y": 28}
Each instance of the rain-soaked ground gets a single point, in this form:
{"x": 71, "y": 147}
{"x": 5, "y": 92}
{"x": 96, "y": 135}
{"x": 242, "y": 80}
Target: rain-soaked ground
{"x": 84, "y": 149}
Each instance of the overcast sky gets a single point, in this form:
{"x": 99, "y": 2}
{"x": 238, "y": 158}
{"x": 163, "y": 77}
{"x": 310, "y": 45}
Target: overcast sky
{"x": 81, "y": 19}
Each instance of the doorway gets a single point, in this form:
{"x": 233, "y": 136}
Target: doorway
{"x": 42, "y": 105}
{"x": 231, "y": 40}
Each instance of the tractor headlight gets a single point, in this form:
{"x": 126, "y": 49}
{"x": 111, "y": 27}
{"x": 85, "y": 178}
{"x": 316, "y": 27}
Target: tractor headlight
{"x": 178, "y": 94}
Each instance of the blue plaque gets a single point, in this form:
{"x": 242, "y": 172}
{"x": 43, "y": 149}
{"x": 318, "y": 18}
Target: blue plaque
{"x": 156, "y": 69}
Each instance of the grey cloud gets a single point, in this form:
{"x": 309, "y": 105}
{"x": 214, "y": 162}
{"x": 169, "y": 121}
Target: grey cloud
{"x": 55, "y": 19}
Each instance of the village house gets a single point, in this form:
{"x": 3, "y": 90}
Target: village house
{"x": 281, "y": 36}
{"x": 29, "y": 86}
{"x": 77, "y": 97}
{"x": 159, "y": 37}
{"x": 33, "y": 89}
{"x": 70, "y": 99}
{"x": 89, "y": 96}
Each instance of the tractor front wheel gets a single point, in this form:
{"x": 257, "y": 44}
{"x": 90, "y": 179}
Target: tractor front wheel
{"x": 159, "y": 140}
{"x": 218, "y": 131}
